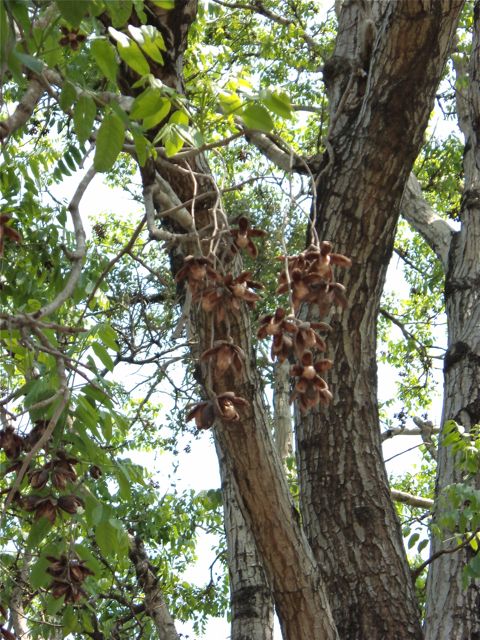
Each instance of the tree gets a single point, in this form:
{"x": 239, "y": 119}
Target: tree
{"x": 196, "y": 100}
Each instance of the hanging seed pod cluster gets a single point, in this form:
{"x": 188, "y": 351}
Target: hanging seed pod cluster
{"x": 69, "y": 574}
{"x": 51, "y": 493}
{"x": 307, "y": 278}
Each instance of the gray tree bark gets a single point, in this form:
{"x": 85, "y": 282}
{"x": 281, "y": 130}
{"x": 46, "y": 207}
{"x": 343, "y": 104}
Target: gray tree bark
{"x": 452, "y": 610}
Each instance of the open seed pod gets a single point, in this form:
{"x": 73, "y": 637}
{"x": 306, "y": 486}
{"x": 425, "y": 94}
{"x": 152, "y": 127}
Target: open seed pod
{"x": 11, "y": 443}
{"x": 242, "y": 237}
{"x": 228, "y": 403}
{"x": 203, "y": 413}
{"x": 225, "y": 355}
{"x": 196, "y": 270}
{"x": 228, "y": 294}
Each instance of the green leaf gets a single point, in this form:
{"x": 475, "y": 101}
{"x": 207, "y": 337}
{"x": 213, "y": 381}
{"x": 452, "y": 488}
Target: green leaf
{"x": 141, "y": 146}
{"x": 110, "y": 137}
{"x": 87, "y": 414}
{"x": 38, "y": 532}
{"x": 257, "y": 117}
{"x": 108, "y": 336}
{"x": 38, "y": 573}
{"x": 159, "y": 115}
{"x": 104, "y": 55}
{"x": 7, "y": 38}
{"x": 106, "y": 537}
{"x": 34, "y": 64}
{"x": 422, "y": 544}
{"x": 164, "y": 4}
{"x": 150, "y": 40}
{"x": 413, "y": 540}
{"x": 172, "y": 141}
{"x": 130, "y": 52}
{"x": 148, "y": 103}
{"x": 94, "y": 393}
{"x": 69, "y": 620}
{"x": 278, "y": 102}
{"x": 103, "y": 355}
{"x": 179, "y": 117}
{"x": 106, "y": 426}
{"x": 124, "y": 481}
{"x": 73, "y": 11}
{"x": 230, "y": 102}
{"x": 83, "y": 117}
{"x": 119, "y": 11}
{"x": 53, "y": 605}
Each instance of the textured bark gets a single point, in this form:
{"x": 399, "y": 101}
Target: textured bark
{"x": 251, "y": 604}
{"x": 155, "y": 605}
{"x": 19, "y": 593}
{"x": 379, "y": 110}
{"x": 282, "y": 416}
{"x": 452, "y": 610}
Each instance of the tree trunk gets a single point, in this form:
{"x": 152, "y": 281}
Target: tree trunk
{"x": 251, "y": 604}
{"x": 379, "y": 110}
{"x": 452, "y": 610}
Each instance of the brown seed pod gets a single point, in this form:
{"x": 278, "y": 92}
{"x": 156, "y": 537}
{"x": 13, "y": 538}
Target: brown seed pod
{"x": 95, "y": 472}
{"x": 197, "y": 270}
{"x": 225, "y": 355}
{"x": 38, "y": 478}
{"x": 242, "y": 237}
{"x": 70, "y": 504}
{"x": 11, "y": 443}
{"x": 226, "y": 295}
{"x": 227, "y": 403}
{"x": 203, "y": 413}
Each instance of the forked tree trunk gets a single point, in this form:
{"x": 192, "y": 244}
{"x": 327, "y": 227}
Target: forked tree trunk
{"x": 380, "y": 108}
{"x": 246, "y": 446}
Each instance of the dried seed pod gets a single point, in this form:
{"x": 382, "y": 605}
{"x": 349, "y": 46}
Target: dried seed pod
{"x": 95, "y": 472}
{"x": 70, "y": 504}
{"x": 242, "y": 237}
{"x": 310, "y": 388}
{"x": 203, "y": 413}
{"x": 7, "y": 231}
{"x": 227, "y": 403}
{"x": 196, "y": 270}
{"x": 11, "y": 443}
{"x": 225, "y": 355}
{"x": 227, "y": 295}
{"x": 46, "y": 507}
{"x": 38, "y": 478}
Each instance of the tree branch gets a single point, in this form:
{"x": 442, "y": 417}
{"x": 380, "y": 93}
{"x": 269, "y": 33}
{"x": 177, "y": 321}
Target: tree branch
{"x": 443, "y": 552}
{"x": 411, "y": 500}
{"x": 24, "y": 109}
{"x": 436, "y": 231}
{"x": 258, "y": 7}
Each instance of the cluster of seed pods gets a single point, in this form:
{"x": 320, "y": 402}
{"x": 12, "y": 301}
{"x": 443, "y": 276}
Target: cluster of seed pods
{"x": 308, "y": 279}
